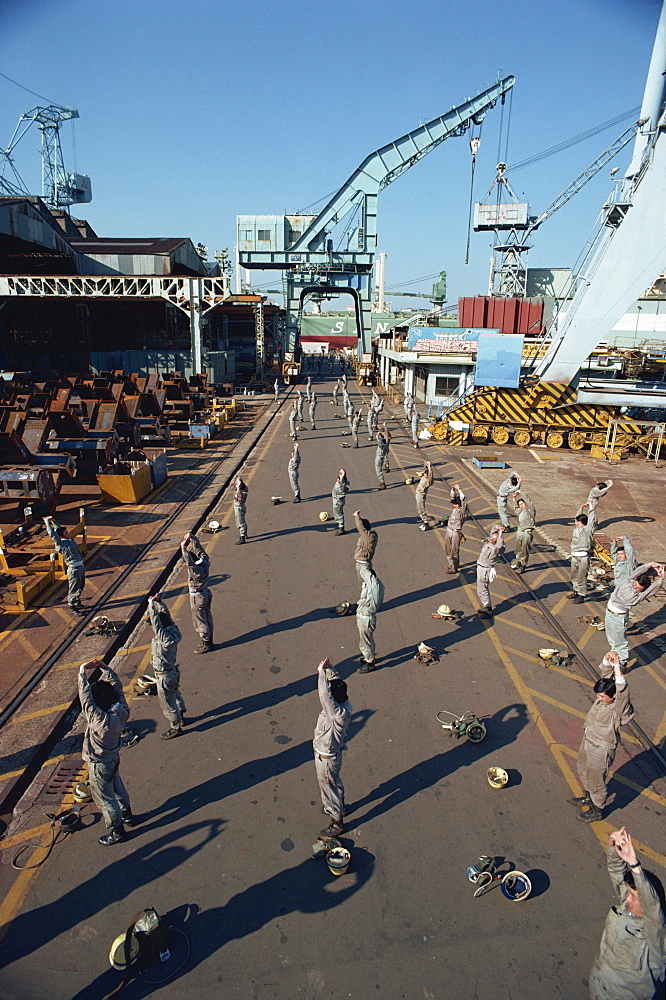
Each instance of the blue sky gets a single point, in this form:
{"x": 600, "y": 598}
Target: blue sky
{"x": 195, "y": 110}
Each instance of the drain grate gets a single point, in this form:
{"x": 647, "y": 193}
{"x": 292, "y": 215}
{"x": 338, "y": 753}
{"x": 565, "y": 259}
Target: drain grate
{"x": 66, "y": 775}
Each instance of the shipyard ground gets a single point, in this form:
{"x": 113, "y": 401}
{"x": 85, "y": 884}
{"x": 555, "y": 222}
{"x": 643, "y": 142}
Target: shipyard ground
{"x": 230, "y": 811}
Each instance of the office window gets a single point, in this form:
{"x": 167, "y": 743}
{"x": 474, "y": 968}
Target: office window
{"x": 264, "y": 234}
{"x": 446, "y": 385}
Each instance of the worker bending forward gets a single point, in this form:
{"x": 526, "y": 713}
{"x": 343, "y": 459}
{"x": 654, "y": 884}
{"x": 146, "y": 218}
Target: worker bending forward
{"x": 74, "y": 567}
{"x": 454, "y": 527}
{"x": 329, "y": 741}
{"x": 369, "y": 603}
{"x": 164, "y": 662}
{"x": 639, "y": 586}
{"x": 198, "y": 570}
{"x": 105, "y": 710}
{"x": 611, "y": 710}
{"x": 485, "y": 568}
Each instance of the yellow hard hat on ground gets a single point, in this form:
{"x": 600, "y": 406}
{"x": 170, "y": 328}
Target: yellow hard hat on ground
{"x": 323, "y": 516}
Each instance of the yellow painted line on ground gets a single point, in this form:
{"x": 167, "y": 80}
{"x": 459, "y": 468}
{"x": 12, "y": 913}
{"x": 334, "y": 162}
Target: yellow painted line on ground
{"x": 35, "y": 831}
{"x": 560, "y": 604}
{"x": 20, "y": 770}
{"x": 550, "y": 666}
{"x": 121, "y": 652}
{"x": 543, "y": 575}
{"x": 556, "y": 749}
{"x": 661, "y": 731}
{"x": 37, "y": 715}
{"x": 503, "y": 620}
{"x": 148, "y": 569}
{"x": 574, "y": 711}
{"x": 11, "y": 904}
{"x": 647, "y": 792}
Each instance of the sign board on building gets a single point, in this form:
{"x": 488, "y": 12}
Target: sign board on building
{"x": 499, "y": 359}
{"x": 436, "y": 340}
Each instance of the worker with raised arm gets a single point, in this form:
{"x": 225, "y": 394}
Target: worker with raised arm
{"x": 74, "y": 565}
{"x": 105, "y": 710}
{"x": 632, "y": 955}
{"x": 509, "y": 486}
{"x": 292, "y": 469}
{"x": 164, "y": 661}
{"x": 414, "y": 420}
{"x": 639, "y": 586}
{"x": 336, "y": 390}
{"x": 491, "y": 550}
{"x": 354, "y": 427}
{"x": 329, "y": 741}
{"x": 198, "y": 570}
{"x": 365, "y": 547}
{"x": 611, "y": 710}
{"x": 582, "y": 546}
{"x": 524, "y": 531}
{"x": 383, "y": 441}
{"x": 240, "y": 509}
{"x": 299, "y": 404}
{"x": 425, "y": 482}
{"x": 624, "y": 559}
{"x": 313, "y": 409}
{"x": 293, "y": 417}
{"x": 597, "y": 492}
{"x": 454, "y": 532}
{"x": 339, "y": 493}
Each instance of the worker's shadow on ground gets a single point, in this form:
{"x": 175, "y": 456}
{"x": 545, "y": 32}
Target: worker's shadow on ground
{"x": 288, "y": 625}
{"x": 247, "y": 775}
{"x": 641, "y": 770}
{"x": 306, "y": 888}
{"x": 503, "y": 728}
{"x": 150, "y": 861}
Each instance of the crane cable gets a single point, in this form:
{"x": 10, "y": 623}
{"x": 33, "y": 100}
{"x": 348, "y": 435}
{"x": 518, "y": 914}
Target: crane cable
{"x": 474, "y": 144}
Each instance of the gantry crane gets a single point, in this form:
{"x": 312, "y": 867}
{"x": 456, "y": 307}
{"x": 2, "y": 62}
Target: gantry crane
{"x": 302, "y": 245}
{"x": 59, "y": 188}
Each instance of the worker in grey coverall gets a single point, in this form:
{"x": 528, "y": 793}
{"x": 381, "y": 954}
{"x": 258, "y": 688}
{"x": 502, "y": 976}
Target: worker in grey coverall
{"x": 164, "y": 661}
{"x": 424, "y": 484}
{"x": 196, "y": 559}
{"x": 292, "y": 469}
{"x": 408, "y": 405}
{"x": 454, "y": 534}
{"x": 339, "y": 492}
{"x": 383, "y": 441}
{"x": 276, "y": 390}
{"x": 632, "y": 955}
{"x": 365, "y": 547}
{"x": 491, "y": 550}
{"x": 351, "y": 410}
{"x": 611, "y": 710}
{"x": 354, "y": 427}
{"x": 329, "y": 741}
{"x": 240, "y": 509}
{"x": 369, "y": 603}
{"x": 582, "y": 545}
{"x": 414, "y": 420}
{"x": 313, "y": 408}
{"x": 597, "y": 492}
{"x": 299, "y": 403}
{"x": 336, "y": 390}
{"x": 74, "y": 567}
{"x": 346, "y": 401}
{"x": 639, "y": 586}
{"x": 105, "y": 709}
{"x": 508, "y": 487}
{"x": 526, "y": 523}
{"x": 308, "y": 389}
{"x": 624, "y": 559}
{"x": 293, "y": 417}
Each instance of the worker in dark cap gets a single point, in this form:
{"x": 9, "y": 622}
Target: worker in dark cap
{"x": 329, "y": 741}
{"x": 105, "y": 710}
{"x": 75, "y": 569}
{"x": 165, "y": 665}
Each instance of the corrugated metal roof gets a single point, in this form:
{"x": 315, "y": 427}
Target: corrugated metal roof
{"x": 114, "y": 245}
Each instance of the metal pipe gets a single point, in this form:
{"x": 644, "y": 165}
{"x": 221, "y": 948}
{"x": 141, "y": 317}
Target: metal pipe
{"x": 653, "y": 96}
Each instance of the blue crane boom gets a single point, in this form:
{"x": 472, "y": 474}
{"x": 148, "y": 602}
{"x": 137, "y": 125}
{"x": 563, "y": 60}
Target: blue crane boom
{"x": 301, "y": 244}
